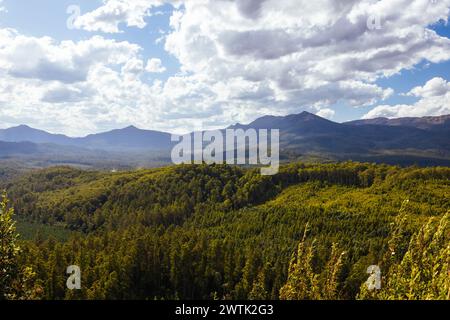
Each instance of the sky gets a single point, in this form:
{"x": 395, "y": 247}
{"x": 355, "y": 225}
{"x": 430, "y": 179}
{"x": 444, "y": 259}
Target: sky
{"x": 86, "y": 66}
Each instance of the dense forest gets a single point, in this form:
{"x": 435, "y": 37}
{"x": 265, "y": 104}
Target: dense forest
{"x": 225, "y": 232}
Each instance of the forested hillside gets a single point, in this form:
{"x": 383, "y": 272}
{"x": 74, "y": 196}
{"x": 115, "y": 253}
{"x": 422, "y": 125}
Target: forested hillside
{"x": 224, "y": 232}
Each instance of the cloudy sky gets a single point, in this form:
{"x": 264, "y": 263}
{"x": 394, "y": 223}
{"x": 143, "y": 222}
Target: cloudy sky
{"x": 85, "y": 66}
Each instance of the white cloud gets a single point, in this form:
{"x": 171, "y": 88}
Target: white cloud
{"x": 326, "y": 113}
{"x": 112, "y": 13}
{"x": 433, "y": 88}
{"x": 72, "y": 87}
{"x": 305, "y": 53}
{"x": 67, "y": 62}
{"x": 239, "y": 60}
{"x": 434, "y": 100}
{"x": 108, "y": 17}
{"x": 154, "y": 65}
{"x": 57, "y": 93}
{"x": 2, "y": 8}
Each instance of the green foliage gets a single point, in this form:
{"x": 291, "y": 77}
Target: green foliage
{"x": 423, "y": 271}
{"x": 8, "y": 250}
{"x": 223, "y": 232}
{"x": 16, "y": 282}
{"x": 304, "y": 282}
{"x": 38, "y": 232}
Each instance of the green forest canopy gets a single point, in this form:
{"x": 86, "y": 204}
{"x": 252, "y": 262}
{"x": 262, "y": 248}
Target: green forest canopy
{"x": 206, "y": 232}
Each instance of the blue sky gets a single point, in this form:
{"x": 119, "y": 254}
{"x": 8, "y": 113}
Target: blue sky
{"x": 49, "y": 17}
{"x": 176, "y": 66}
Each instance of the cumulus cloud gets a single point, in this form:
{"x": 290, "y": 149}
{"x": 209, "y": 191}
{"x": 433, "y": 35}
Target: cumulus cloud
{"x": 303, "y": 53}
{"x": 67, "y": 62}
{"x": 433, "y": 88}
{"x": 326, "y": 113}
{"x": 108, "y": 17}
{"x": 434, "y": 99}
{"x": 67, "y": 94}
{"x": 73, "y": 87}
{"x": 239, "y": 60}
{"x": 112, "y": 13}
{"x": 154, "y": 65}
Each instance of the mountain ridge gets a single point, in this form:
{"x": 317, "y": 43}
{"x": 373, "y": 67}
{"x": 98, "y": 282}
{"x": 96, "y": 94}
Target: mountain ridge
{"x": 303, "y": 134}
{"x": 427, "y": 122}
{"x": 25, "y": 133}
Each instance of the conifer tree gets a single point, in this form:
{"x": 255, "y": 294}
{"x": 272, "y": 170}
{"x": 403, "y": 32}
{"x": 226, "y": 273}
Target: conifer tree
{"x": 15, "y": 282}
{"x": 9, "y": 250}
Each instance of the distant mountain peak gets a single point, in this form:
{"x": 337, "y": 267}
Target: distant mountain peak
{"x": 131, "y": 127}
{"x": 22, "y": 127}
{"x": 280, "y": 122}
{"x": 305, "y": 115}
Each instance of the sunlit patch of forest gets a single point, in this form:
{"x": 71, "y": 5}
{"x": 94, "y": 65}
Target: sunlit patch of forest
{"x": 225, "y": 232}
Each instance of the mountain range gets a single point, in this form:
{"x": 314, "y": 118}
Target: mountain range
{"x": 438, "y": 123}
{"x": 408, "y": 140}
{"x": 120, "y": 139}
